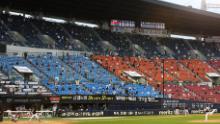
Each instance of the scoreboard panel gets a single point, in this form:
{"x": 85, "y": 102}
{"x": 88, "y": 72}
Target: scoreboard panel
{"x": 122, "y": 23}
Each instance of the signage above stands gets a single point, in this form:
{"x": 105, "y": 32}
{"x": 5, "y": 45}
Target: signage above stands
{"x": 152, "y": 25}
{"x": 155, "y": 29}
{"x": 54, "y": 99}
{"x": 104, "y": 98}
{"x": 122, "y": 23}
{"x": 122, "y": 26}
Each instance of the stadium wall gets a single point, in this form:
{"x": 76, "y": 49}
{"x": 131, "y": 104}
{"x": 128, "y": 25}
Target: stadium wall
{"x": 125, "y": 106}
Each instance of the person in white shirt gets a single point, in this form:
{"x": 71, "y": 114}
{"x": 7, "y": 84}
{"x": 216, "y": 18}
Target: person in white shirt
{"x": 14, "y": 117}
{"x": 210, "y": 112}
{"x": 34, "y": 115}
{"x": 54, "y": 109}
{"x": 186, "y": 111}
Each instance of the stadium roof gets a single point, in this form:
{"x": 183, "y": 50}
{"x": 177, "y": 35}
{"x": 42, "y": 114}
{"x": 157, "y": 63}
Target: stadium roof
{"x": 178, "y": 19}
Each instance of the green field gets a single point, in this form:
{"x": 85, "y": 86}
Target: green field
{"x": 190, "y": 119}
{"x": 154, "y": 120}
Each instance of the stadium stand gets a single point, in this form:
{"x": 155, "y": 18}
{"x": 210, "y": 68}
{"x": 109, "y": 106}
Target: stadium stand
{"x": 175, "y": 68}
{"x": 150, "y": 44}
{"x": 204, "y": 93}
{"x": 55, "y": 31}
{"x": 104, "y": 74}
{"x": 178, "y": 92}
{"x": 209, "y": 49}
{"x": 179, "y": 46}
{"x": 200, "y": 68}
{"x": 153, "y": 69}
{"x": 60, "y": 76}
{"x": 215, "y": 63}
{"x": 120, "y": 41}
{"x": 113, "y": 86}
{"x": 3, "y": 34}
{"x": 16, "y": 82}
{"x": 86, "y": 35}
{"x": 115, "y": 64}
{"x": 21, "y": 26}
{"x": 72, "y": 75}
{"x": 18, "y": 30}
{"x": 84, "y": 58}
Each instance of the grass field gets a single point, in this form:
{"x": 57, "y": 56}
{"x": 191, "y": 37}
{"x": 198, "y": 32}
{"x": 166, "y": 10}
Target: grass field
{"x": 190, "y": 119}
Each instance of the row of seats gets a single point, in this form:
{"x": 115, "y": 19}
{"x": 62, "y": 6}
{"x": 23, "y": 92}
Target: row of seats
{"x": 153, "y": 70}
{"x": 209, "y": 49}
{"x": 7, "y": 64}
{"x": 189, "y": 71}
{"x": 79, "y": 75}
{"x": 179, "y": 92}
{"x": 14, "y": 82}
{"x": 90, "y": 69}
{"x": 174, "y": 70}
{"x": 24, "y": 88}
{"x": 115, "y": 64}
{"x": 192, "y": 92}
{"x": 205, "y": 93}
{"x": 200, "y": 68}
{"x": 215, "y": 63}
{"x": 55, "y": 69}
